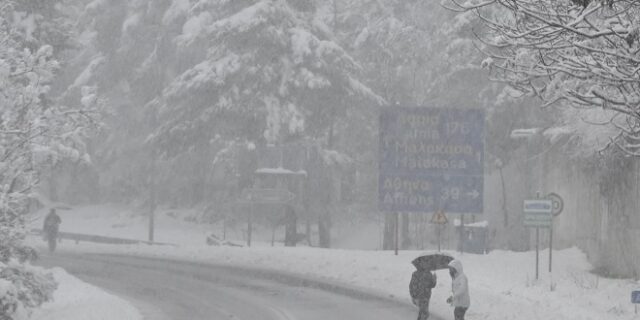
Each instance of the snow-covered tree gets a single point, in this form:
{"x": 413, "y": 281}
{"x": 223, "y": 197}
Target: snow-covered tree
{"x": 185, "y": 79}
{"x": 272, "y": 73}
{"x": 579, "y": 53}
{"x": 35, "y": 132}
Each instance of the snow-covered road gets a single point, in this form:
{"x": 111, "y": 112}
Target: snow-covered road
{"x": 501, "y": 282}
{"x": 164, "y": 289}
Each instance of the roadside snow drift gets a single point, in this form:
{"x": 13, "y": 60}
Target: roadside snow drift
{"x": 502, "y": 283}
{"x": 76, "y": 300}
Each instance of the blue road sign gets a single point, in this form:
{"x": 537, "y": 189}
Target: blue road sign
{"x": 431, "y": 159}
{"x": 635, "y": 297}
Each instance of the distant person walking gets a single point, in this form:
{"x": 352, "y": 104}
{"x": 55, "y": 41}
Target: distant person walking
{"x": 422, "y": 281}
{"x": 459, "y": 299}
{"x": 50, "y": 228}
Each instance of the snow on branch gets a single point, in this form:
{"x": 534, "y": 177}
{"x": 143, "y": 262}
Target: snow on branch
{"x": 35, "y": 130}
{"x": 579, "y": 53}
{"x": 268, "y": 67}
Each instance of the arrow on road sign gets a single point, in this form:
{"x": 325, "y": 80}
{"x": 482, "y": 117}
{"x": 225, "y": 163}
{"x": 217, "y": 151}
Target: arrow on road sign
{"x": 474, "y": 194}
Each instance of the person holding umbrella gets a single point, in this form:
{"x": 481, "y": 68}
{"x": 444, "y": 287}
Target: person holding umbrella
{"x": 422, "y": 281}
{"x": 459, "y": 299}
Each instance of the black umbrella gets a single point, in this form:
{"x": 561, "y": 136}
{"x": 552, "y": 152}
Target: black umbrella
{"x": 432, "y": 261}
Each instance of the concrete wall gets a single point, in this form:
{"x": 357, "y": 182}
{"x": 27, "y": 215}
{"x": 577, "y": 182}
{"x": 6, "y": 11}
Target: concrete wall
{"x": 601, "y": 207}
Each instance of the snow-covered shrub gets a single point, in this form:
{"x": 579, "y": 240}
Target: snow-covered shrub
{"x": 18, "y": 251}
{"x": 35, "y": 286}
{"x": 22, "y": 288}
{"x": 584, "y": 280}
{"x": 9, "y": 304}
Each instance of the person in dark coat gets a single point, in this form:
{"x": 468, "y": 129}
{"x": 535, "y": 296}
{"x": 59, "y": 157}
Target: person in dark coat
{"x": 51, "y": 223}
{"x": 422, "y": 281}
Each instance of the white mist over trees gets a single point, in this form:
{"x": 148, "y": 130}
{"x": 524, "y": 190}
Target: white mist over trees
{"x": 192, "y": 82}
{"x": 190, "y": 90}
{"x": 190, "y": 86}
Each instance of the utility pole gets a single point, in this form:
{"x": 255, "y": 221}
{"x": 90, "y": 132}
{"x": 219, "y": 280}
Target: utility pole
{"x": 537, "y": 244}
{"x": 152, "y": 192}
{"x": 462, "y": 233}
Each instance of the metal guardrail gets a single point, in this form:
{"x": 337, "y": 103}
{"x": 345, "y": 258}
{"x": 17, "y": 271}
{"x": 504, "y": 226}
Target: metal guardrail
{"x": 99, "y": 239}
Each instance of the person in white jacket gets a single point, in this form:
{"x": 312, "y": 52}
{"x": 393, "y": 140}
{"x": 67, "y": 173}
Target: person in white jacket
{"x": 460, "y": 299}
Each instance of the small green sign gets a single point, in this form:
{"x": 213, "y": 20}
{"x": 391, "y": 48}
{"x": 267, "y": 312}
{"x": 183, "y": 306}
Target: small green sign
{"x": 538, "y": 213}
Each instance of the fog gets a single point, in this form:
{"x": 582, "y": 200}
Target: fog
{"x": 189, "y": 102}
{"x": 464, "y": 126}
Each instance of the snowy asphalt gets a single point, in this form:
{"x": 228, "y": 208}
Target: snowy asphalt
{"x": 165, "y": 289}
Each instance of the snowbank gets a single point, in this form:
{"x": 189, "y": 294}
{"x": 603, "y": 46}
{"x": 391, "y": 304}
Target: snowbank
{"x": 75, "y": 299}
{"x": 502, "y": 283}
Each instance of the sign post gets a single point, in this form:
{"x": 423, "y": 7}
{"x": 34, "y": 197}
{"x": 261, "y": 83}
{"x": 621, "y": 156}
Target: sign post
{"x": 254, "y": 196}
{"x": 538, "y": 243}
{"x": 397, "y": 231}
{"x": 462, "y": 233}
{"x": 431, "y": 159}
{"x": 635, "y": 299}
{"x": 537, "y": 252}
{"x": 439, "y": 219}
{"x": 557, "y": 205}
{"x": 550, "y": 247}
{"x": 249, "y": 225}
{"x": 538, "y": 214}
{"x": 439, "y": 238}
